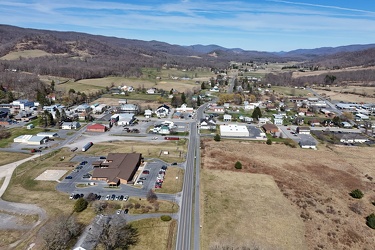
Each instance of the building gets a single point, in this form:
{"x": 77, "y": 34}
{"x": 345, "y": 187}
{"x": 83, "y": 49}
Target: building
{"x": 118, "y": 168}
{"x": 129, "y": 108}
{"x": 184, "y": 109}
{"x": 125, "y": 119}
{"x": 234, "y": 130}
{"x": 22, "y": 104}
{"x": 263, "y": 120}
{"x": 270, "y": 128}
{"x": 227, "y": 118}
{"x": 148, "y": 113}
{"x": 50, "y": 135}
{"x": 311, "y": 144}
{"x": 303, "y": 130}
{"x": 353, "y": 138}
{"x": 83, "y": 108}
{"x": 207, "y": 123}
{"x": 70, "y": 125}
{"x": 31, "y": 139}
{"x": 163, "y": 111}
{"x": 96, "y": 128}
{"x": 99, "y": 108}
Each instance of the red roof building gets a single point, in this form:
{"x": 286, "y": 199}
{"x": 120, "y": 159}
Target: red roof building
{"x": 96, "y": 128}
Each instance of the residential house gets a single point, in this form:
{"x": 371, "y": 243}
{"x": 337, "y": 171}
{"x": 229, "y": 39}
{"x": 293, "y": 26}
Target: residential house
{"x": 184, "y": 109}
{"x": 263, "y": 120}
{"x": 151, "y": 91}
{"x": 70, "y": 125}
{"x": 227, "y": 118}
{"x": 314, "y": 122}
{"x": 207, "y": 123}
{"x": 163, "y": 111}
{"x": 148, "y": 113}
{"x": 83, "y": 108}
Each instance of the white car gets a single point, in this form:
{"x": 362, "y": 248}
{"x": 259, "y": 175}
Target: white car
{"x": 118, "y": 211}
{"x": 71, "y": 196}
{"x": 107, "y": 197}
{"x": 126, "y": 198}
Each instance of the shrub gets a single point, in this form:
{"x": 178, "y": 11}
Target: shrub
{"x": 217, "y": 137}
{"x": 269, "y": 142}
{"x": 370, "y": 221}
{"x": 238, "y": 165}
{"x": 80, "y": 205}
{"x": 165, "y": 218}
{"x": 357, "y": 194}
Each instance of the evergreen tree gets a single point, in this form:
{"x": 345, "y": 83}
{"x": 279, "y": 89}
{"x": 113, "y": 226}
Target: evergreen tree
{"x": 203, "y": 85}
{"x": 198, "y": 101}
{"x": 183, "y": 98}
{"x": 256, "y": 113}
{"x": 58, "y": 116}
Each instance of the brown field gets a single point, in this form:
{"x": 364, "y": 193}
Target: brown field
{"x": 297, "y": 74}
{"x": 316, "y": 183}
{"x": 25, "y": 53}
{"x": 336, "y": 94}
{"x": 8, "y": 157}
{"x": 171, "y": 185}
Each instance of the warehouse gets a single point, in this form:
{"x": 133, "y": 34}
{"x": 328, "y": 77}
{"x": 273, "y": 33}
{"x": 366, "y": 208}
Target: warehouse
{"x": 234, "y": 130}
{"x": 50, "y": 135}
{"x": 31, "y": 139}
{"x": 96, "y": 128}
{"x": 125, "y": 119}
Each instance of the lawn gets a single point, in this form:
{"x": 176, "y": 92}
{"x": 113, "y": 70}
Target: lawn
{"x": 171, "y": 184}
{"x": 134, "y": 96}
{"x": 9, "y": 157}
{"x": 176, "y": 149}
{"x": 140, "y": 206}
{"x": 155, "y": 234}
{"x": 15, "y": 132}
{"x": 288, "y": 91}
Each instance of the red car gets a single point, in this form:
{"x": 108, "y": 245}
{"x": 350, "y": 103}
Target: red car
{"x": 146, "y": 172}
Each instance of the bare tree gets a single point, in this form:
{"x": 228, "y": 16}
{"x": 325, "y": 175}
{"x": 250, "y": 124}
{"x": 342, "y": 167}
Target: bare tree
{"x": 116, "y": 234}
{"x": 58, "y": 232}
{"x": 151, "y": 196}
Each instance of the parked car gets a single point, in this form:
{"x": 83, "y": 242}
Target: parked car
{"x": 146, "y": 172}
{"x": 113, "y": 197}
{"x": 102, "y": 157}
{"x": 107, "y": 197}
{"x": 174, "y": 163}
{"x": 74, "y": 149}
{"x": 71, "y": 196}
{"x": 126, "y": 211}
{"x": 118, "y": 211}
{"x": 142, "y": 178}
{"x": 68, "y": 177}
{"x": 140, "y": 182}
{"x": 126, "y": 197}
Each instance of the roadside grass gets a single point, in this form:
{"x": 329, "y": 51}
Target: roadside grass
{"x": 171, "y": 185}
{"x": 208, "y": 131}
{"x": 15, "y": 132}
{"x": 155, "y": 234}
{"x": 2, "y": 181}
{"x": 9, "y": 157}
{"x": 152, "y": 149}
{"x": 241, "y": 199}
{"x": 141, "y": 205}
{"x": 8, "y": 236}
{"x": 24, "y": 188}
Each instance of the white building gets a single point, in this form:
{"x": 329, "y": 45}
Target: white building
{"x": 184, "y": 109}
{"x": 227, "y": 118}
{"x": 50, "y": 135}
{"x": 125, "y": 119}
{"x": 100, "y": 108}
{"x": 31, "y": 139}
{"x": 234, "y": 130}
{"x": 278, "y": 121}
{"x": 263, "y": 120}
{"x": 163, "y": 111}
{"x": 148, "y": 113}
{"x": 70, "y": 125}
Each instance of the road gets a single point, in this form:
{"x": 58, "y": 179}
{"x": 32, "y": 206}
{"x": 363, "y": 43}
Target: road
{"x": 231, "y": 84}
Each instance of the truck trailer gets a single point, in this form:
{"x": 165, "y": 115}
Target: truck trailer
{"x": 87, "y": 146}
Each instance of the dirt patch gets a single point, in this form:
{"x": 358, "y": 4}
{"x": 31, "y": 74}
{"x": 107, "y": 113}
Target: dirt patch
{"x": 317, "y": 183}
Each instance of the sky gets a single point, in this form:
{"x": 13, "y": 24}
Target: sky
{"x": 263, "y": 25}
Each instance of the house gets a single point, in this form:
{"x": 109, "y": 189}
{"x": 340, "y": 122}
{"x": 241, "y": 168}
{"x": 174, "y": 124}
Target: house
{"x": 303, "y": 130}
{"x": 163, "y": 111}
{"x": 117, "y": 168}
{"x": 234, "y": 130}
{"x": 227, "y": 118}
{"x": 151, "y": 91}
{"x": 263, "y": 120}
{"x": 309, "y": 114}
{"x": 185, "y": 109}
{"x": 270, "y": 128}
{"x": 96, "y": 128}
{"x": 311, "y": 144}
{"x": 148, "y": 113}
{"x": 83, "y": 108}
{"x": 207, "y": 123}
{"x": 22, "y": 104}
{"x": 129, "y": 108}
{"x": 278, "y": 121}
{"x": 70, "y": 125}
{"x": 226, "y": 105}
{"x": 314, "y": 122}
{"x": 215, "y": 89}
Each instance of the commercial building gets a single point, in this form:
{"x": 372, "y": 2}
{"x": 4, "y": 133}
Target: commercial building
{"x": 118, "y": 168}
{"x": 234, "y": 130}
{"x": 31, "y": 139}
{"x": 96, "y": 128}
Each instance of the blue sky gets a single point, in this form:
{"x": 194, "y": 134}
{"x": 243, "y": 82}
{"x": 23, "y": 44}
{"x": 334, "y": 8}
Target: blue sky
{"x": 265, "y": 25}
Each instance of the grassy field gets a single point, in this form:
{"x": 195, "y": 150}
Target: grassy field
{"x": 25, "y": 53}
{"x": 77, "y": 86}
{"x": 134, "y": 96}
{"x": 9, "y": 157}
{"x": 171, "y": 185}
{"x": 155, "y": 234}
{"x": 147, "y": 207}
{"x": 337, "y": 94}
{"x": 15, "y": 132}
{"x": 316, "y": 184}
{"x": 243, "y": 199}
{"x": 148, "y": 149}
{"x": 287, "y": 91}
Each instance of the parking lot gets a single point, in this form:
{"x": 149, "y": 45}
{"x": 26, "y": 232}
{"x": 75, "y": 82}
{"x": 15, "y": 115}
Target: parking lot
{"x": 101, "y": 189}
